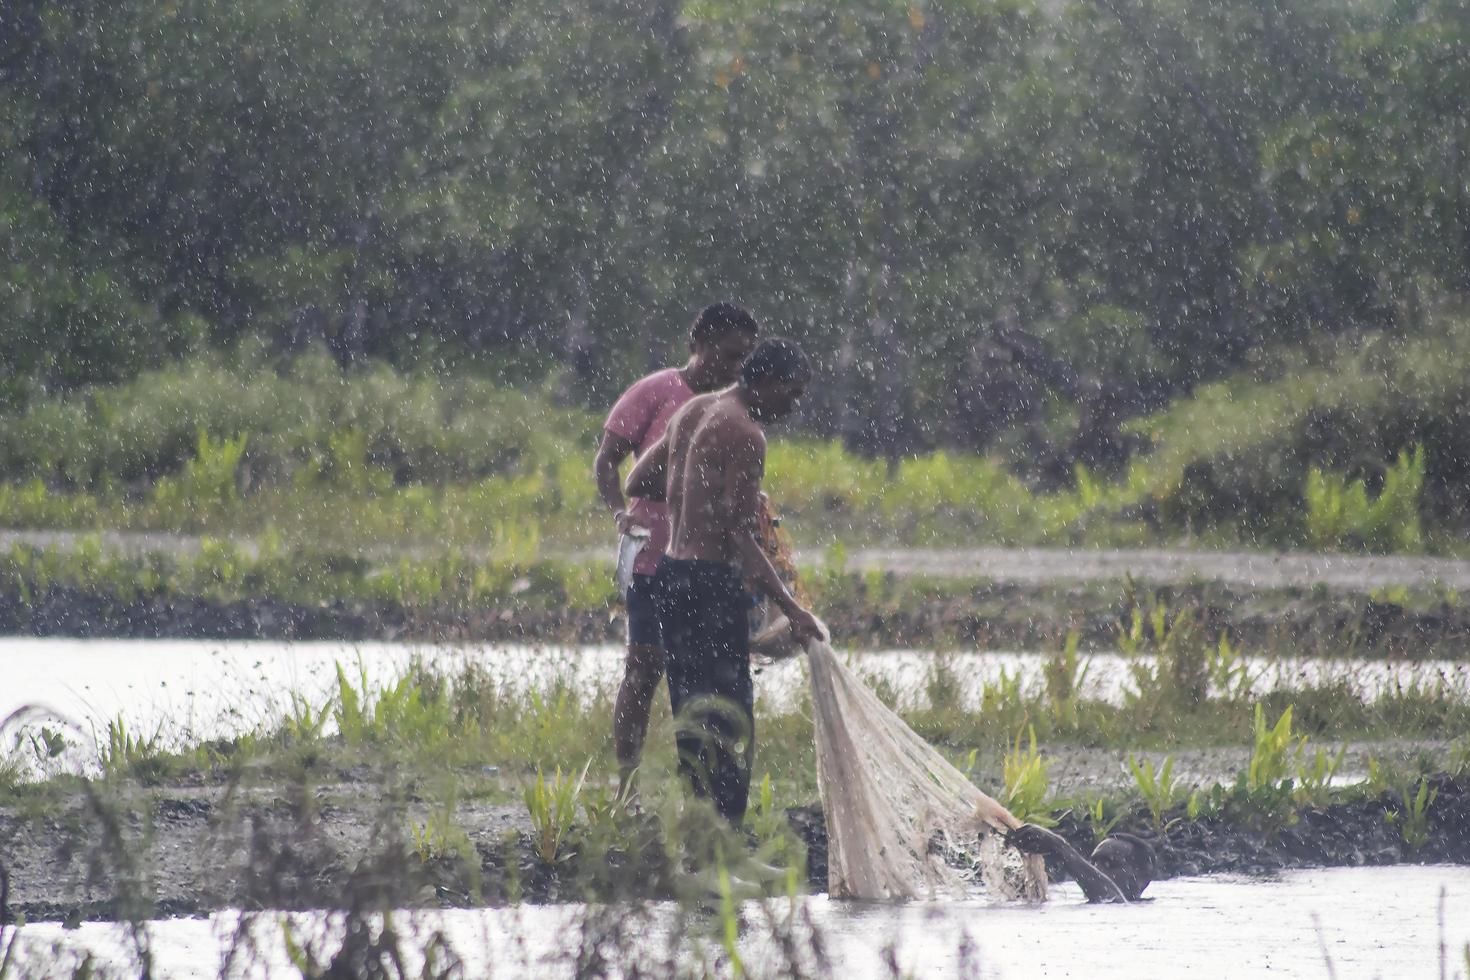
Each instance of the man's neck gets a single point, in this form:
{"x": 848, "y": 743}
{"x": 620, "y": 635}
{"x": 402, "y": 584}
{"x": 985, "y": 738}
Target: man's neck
{"x": 742, "y": 397}
{"x": 693, "y": 376}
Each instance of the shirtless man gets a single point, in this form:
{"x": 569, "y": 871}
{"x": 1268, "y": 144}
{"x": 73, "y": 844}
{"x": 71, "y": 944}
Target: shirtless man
{"x": 708, "y": 467}
{"x": 1120, "y": 869}
{"x": 719, "y": 340}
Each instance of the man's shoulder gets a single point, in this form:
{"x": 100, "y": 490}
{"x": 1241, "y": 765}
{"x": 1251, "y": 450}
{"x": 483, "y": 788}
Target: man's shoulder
{"x": 645, "y": 398}
{"x": 666, "y": 381}
{"x": 735, "y": 423}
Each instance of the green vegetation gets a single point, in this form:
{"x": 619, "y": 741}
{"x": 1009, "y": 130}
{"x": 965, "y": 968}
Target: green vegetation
{"x": 138, "y": 757}
{"x": 1339, "y": 511}
{"x": 1408, "y": 795}
{"x": 307, "y": 456}
{"x": 1159, "y": 790}
{"x": 1026, "y": 782}
{"x": 552, "y": 805}
{"x": 1023, "y": 251}
{"x": 430, "y": 733}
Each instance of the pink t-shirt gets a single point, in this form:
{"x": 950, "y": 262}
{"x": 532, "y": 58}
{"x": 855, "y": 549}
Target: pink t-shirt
{"x": 640, "y": 416}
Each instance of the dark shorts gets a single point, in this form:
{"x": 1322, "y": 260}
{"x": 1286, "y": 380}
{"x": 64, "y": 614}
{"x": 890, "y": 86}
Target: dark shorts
{"x": 704, "y": 609}
{"x": 643, "y": 628}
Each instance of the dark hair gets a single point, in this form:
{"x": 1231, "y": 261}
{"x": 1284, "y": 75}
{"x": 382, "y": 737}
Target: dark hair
{"x": 718, "y": 319}
{"x": 776, "y": 359}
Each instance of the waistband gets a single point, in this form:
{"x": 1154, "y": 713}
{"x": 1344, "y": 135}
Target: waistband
{"x": 699, "y": 568}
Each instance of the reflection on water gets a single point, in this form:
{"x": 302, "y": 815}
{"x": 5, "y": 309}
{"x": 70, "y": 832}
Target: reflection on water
{"x": 193, "y": 689}
{"x": 1386, "y": 922}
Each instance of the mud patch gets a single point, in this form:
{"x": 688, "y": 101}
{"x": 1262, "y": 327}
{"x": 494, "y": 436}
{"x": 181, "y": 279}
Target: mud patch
{"x": 192, "y": 852}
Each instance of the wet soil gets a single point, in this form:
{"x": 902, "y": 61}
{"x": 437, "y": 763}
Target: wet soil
{"x": 985, "y": 598}
{"x": 189, "y": 850}
{"x": 982, "y": 615}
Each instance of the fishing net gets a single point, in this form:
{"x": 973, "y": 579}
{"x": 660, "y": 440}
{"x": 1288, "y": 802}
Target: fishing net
{"x": 902, "y": 823}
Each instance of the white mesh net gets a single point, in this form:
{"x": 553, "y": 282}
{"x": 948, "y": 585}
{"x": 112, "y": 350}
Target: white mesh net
{"x": 902, "y": 823}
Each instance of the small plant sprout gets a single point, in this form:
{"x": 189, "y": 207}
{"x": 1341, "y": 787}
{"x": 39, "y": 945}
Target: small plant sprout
{"x": 1229, "y": 673}
{"x": 1274, "y": 752}
{"x": 304, "y": 724}
{"x": 1027, "y": 781}
{"x": 439, "y": 838}
{"x": 1194, "y": 807}
{"x": 125, "y": 754}
{"x": 1457, "y": 761}
{"x": 1413, "y": 815}
{"x": 1314, "y": 777}
{"x": 1101, "y": 821}
{"x": 1160, "y": 791}
{"x": 553, "y": 806}
{"x": 1065, "y": 674}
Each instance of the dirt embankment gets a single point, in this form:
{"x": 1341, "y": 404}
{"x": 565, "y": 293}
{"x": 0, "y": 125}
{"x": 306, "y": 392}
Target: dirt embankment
{"x": 990, "y": 598}
{"x": 985, "y": 615}
{"x": 189, "y": 851}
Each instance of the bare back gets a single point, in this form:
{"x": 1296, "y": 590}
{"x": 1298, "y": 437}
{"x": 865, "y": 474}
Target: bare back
{"x": 715, "y": 462}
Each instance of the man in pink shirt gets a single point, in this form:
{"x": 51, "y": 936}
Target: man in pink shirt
{"x": 719, "y": 341}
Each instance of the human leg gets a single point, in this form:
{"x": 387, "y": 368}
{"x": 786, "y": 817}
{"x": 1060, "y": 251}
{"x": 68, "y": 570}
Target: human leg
{"x": 641, "y": 672}
{"x": 710, "y": 691}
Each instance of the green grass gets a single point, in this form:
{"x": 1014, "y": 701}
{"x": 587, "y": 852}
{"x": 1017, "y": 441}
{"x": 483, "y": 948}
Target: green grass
{"x": 315, "y": 458}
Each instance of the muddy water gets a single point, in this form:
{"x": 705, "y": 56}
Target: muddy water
{"x": 192, "y": 689}
{"x": 1357, "y": 922}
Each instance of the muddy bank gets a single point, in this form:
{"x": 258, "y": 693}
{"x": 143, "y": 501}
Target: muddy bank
{"x": 190, "y": 851}
{"x": 979, "y": 615}
{"x": 1342, "y": 835}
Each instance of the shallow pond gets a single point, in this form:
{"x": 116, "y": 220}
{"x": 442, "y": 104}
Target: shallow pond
{"x": 194, "y": 689}
{"x": 1356, "y": 922}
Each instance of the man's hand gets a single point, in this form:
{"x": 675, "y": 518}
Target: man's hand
{"x": 805, "y": 626}
{"x": 624, "y": 521}
{"x": 1031, "y": 839}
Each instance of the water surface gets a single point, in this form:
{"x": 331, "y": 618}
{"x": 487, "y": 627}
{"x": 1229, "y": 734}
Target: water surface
{"x": 1364, "y": 922}
{"x": 193, "y": 689}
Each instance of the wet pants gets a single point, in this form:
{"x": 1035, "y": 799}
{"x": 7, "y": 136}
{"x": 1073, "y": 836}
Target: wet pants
{"x": 703, "y": 612}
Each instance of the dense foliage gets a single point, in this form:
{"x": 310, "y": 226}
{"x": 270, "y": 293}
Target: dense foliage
{"x": 1001, "y": 225}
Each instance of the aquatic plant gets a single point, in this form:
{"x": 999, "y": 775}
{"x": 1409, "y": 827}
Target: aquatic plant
{"x": 1412, "y": 815}
{"x": 1230, "y": 674}
{"x": 776, "y": 845}
{"x": 1159, "y": 789}
{"x": 440, "y": 838}
{"x": 1314, "y": 777}
{"x": 1177, "y": 676}
{"x": 1101, "y": 821}
{"x": 1264, "y": 794}
{"x": 1064, "y": 675}
{"x": 126, "y": 754}
{"x": 1408, "y": 796}
{"x": 1458, "y": 763}
{"x": 552, "y": 806}
{"x": 1273, "y": 751}
{"x": 1026, "y": 780}
{"x": 942, "y": 688}
{"x": 304, "y": 722}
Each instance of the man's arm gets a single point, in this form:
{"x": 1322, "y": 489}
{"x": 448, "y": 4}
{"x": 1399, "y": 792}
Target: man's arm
{"x": 1098, "y": 887}
{"x": 748, "y": 462}
{"x": 610, "y": 455}
{"x": 649, "y": 477}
